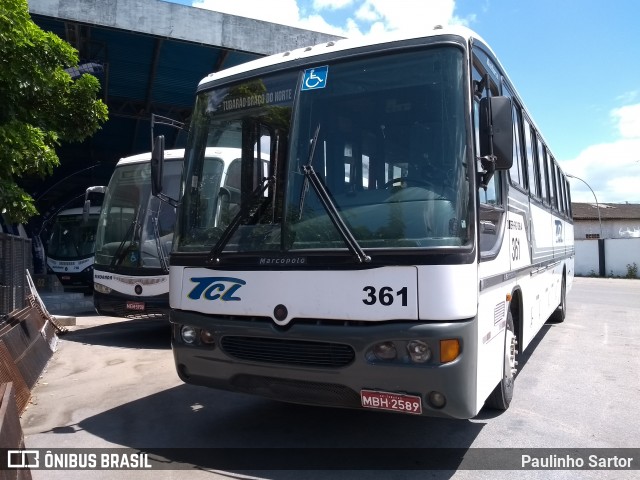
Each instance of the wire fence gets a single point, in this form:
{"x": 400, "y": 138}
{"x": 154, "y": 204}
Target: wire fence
{"x": 15, "y": 260}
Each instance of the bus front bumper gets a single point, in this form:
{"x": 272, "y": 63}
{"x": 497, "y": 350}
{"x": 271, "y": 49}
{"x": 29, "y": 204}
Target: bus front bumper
{"x": 119, "y": 305}
{"x": 329, "y": 364}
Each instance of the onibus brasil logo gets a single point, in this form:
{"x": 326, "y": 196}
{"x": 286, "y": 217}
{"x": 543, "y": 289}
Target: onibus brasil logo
{"x": 216, "y": 288}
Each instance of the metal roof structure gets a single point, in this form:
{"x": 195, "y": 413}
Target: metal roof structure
{"x": 606, "y": 211}
{"x": 150, "y": 56}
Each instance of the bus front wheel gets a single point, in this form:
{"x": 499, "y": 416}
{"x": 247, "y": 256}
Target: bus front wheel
{"x": 501, "y": 396}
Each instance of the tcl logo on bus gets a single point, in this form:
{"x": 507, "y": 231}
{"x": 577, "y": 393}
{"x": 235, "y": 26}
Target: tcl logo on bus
{"x": 214, "y": 288}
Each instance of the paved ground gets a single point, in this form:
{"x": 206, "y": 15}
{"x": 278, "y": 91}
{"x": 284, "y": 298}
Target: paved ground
{"x": 112, "y": 382}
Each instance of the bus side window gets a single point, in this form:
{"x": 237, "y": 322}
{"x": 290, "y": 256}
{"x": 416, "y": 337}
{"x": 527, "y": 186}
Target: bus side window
{"x": 568, "y": 190}
{"x": 518, "y": 170}
{"x": 561, "y": 204}
{"x": 553, "y": 198}
{"x": 530, "y": 159}
{"x": 491, "y": 210}
{"x": 542, "y": 168}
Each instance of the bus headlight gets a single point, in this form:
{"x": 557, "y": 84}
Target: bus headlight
{"x": 188, "y": 334}
{"x": 385, "y": 351}
{"x": 418, "y": 351}
{"x": 207, "y": 337}
{"x": 98, "y": 287}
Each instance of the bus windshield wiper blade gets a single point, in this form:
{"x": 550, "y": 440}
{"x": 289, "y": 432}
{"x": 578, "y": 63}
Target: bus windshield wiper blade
{"x": 118, "y": 255}
{"x": 235, "y": 223}
{"x": 311, "y": 177}
{"x": 162, "y": 258}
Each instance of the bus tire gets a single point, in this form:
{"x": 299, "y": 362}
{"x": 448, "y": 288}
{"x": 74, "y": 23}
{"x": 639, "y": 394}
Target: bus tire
{"x": 560, "y": 313}
{"x": 501, "y": 396}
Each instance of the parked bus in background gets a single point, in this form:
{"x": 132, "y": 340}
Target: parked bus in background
{"x": 411, "y": 236}
{"x": 135, "y": 232}
{"x": 133, "y": 240}
{"x": 71, "y": 245}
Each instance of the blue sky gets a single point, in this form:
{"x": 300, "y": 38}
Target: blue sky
{"x": 575, "y": 63}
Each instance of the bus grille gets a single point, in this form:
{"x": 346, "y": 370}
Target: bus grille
{"x": 288, "y": 352}
{"x": 120, "y": 310}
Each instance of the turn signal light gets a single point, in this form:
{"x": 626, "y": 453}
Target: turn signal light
{"x": 449, "y": 350}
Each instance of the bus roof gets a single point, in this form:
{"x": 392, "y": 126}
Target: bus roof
{"x": 227, "y": 154}
{"x": 338, "y": 46}
{"x": 76, "y": 211}
{"x": 146, "y": 157}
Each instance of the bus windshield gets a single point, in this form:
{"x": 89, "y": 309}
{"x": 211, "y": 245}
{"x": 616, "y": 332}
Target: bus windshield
{"x": 72, "y": 237}
{"x": 135, "y": 229}
{"x": 384, "y": 136}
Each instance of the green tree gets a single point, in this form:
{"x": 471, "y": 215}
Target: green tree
{"x": 40, "y": 105}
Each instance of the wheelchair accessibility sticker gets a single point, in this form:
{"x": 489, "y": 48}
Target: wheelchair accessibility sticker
{"x": 315, "y": 78}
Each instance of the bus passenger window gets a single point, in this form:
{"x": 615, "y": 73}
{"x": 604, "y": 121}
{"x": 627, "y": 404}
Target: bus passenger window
{"x": 542, "y": 169}
{"x": 491, "y": 210}
{"x": 530, "y": 159}
{"x": 517, "y": 172}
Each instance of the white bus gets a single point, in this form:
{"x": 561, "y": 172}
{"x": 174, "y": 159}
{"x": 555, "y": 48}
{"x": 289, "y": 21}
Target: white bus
{"x": 412, "y": 235}
{"x": 133, "y": 240}
{"x": 135, "y": 232}
{"x": 70, "y": 247}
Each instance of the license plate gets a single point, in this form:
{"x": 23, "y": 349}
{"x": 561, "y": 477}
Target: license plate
{"x": 65, "y": 277}
{"x": 135, "y": 306}
{"x": 395, "y": 402}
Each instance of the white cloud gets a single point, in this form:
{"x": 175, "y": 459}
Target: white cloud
{"x": 367, "y": 16}
{"x": 411, "y": 16}
{"x": 628, "y": 120}
{"x": 612, "y": 169}
{"x": 286, "y": 12}
{"x": 331, "y": 4}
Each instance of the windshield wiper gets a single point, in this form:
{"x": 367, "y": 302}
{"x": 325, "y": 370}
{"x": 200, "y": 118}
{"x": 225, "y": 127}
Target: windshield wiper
{"x": 118, "y": 255}
{"x": 240, "y": 216}
{"x": 156, "y": 233}
{"x": 311, "y": 177}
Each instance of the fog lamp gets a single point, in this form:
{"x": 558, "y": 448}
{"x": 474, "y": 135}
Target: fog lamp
{"x": 419, "y": 351}
{"x": 437, "y": 399}
{"x": 385, "y": 351}
{"x": 188, "y": 334}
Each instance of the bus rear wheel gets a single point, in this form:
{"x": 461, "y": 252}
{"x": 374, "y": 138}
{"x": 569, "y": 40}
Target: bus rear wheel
{"x": 561, "y": 312}
{"x": 501, "y": 396}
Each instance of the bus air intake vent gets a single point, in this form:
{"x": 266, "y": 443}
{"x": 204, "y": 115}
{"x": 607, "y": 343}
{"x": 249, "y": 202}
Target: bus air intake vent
{"x": 288, "y": 352}
{"x": 297, "y": 391}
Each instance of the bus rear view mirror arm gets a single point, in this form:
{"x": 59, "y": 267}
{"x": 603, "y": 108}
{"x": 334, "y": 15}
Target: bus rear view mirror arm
{"x": 157, "y": 164}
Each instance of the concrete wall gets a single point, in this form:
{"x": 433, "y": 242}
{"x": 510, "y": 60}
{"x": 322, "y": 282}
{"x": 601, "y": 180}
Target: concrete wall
{"x": 587, "y": 262}
{"x": 618, "y": 253}
{"x": 176, "y": 21}
{"x": 610, "y": 228}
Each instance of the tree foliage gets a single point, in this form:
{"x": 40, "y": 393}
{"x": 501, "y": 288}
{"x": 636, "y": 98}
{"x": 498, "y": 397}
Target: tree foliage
{"x": 40, "y": 105}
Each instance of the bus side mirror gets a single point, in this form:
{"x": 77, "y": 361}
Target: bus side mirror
{"x": 157, "y": 163}
{"x": 86, "y": 209}
{"x": 496, "y": 131}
